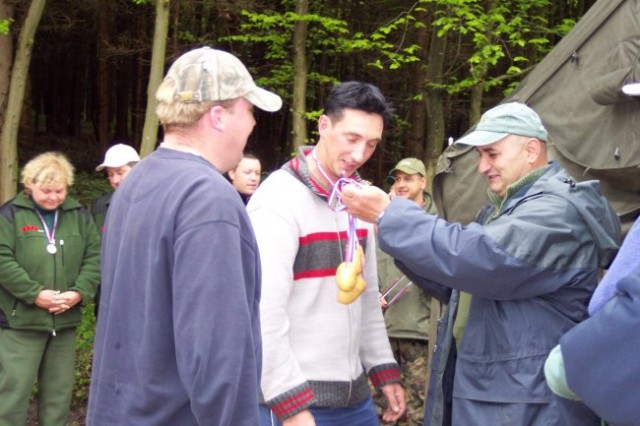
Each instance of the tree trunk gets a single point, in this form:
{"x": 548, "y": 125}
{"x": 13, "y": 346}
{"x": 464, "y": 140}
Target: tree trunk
{"x": 435, "y": 104}
{"x": 299, "y": 104}
{"x": 103, "y": 75}
{"x": 479, "y": 71}
{"x": 150, "y": 132}
{"x": 6, "y": 56}
{"x": 19, "y": 75}
{"x": 417, "y": 83}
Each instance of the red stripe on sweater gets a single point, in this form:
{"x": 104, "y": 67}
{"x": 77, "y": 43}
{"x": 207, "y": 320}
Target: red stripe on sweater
{"x": 292, "y": 403}
{"x": 385, "y": 376}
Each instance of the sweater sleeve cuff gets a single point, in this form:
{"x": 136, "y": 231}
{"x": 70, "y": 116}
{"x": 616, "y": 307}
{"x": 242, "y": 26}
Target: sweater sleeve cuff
{"x": 384, "y": 374}
{"x": 292, "y": 402}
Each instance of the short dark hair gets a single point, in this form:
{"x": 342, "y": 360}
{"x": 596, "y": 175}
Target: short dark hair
{"x": 250, "y": 156}
{"x": 358, "y": 95}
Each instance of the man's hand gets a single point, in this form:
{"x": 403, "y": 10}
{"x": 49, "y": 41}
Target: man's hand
{"x": 395, "y": 402}
{"x": 366, "y": 202}
{"x": 383, "y": 302}
{"x": 303, "y": 418}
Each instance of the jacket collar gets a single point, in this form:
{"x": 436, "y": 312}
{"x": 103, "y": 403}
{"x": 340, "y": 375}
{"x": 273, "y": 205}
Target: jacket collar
{"x": 24, "y": 201}
{"x": 299, "y": 168}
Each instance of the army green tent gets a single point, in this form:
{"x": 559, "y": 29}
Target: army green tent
{"x": 594, "y": 127}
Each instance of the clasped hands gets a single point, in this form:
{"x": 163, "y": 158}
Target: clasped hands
{"x": 57, "y": 302}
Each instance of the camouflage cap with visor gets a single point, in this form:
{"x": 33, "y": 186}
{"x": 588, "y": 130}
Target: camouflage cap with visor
{"x": 206, "y": 74}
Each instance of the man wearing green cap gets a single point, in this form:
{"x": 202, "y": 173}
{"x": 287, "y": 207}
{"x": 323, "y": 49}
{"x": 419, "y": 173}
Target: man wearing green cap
{"x": 530, "y": 263}
{"x": 406, "y": 307}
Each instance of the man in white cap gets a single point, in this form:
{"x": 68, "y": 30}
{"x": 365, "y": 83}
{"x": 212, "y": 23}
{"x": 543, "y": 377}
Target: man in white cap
{"x": 118, "y": 162}
{"x": 530, "y": 264}
{"x": 178, "y": 336}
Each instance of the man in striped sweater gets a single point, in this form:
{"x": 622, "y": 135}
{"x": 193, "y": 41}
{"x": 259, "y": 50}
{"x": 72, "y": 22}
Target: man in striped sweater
{"x": 318, "y": 352}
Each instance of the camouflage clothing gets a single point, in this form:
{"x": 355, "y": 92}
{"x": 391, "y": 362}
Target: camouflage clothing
{"x": 407, "y": 321}
{"x": 413, "y": 356}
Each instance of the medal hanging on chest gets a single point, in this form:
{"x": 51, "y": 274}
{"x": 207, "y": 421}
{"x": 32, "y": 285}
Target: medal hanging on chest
{"x": 349, "y": 277}
{"x": 50, "y": 234}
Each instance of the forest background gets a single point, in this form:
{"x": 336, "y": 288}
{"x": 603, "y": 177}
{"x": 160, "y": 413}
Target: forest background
{"x": 75, "y": 74}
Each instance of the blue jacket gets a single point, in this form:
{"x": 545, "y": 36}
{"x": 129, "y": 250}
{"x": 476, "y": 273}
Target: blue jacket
{"x": 601, "y": 356}
{"x": 178, "y": 336}
{"x": 531, "y": 268}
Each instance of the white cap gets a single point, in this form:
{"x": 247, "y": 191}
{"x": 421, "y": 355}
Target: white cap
{"x": 119, "y": 155}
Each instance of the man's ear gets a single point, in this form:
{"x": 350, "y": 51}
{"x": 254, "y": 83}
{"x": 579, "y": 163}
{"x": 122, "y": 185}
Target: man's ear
{"x": 534, "y": 149}
{"x": 216, "y": 117}
{"x": 423, "y": 182}
{"x": 324, "y": 124}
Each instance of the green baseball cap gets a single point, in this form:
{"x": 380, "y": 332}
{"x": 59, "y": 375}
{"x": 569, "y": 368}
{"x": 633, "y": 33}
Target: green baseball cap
{"x": 410, "y": 166}
{"x": 513, "y": 118}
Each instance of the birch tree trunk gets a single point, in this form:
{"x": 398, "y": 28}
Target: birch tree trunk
{"x": 299, "y": 104}
{"x": 150, "y": 131}
{"x": 17, "y": 85}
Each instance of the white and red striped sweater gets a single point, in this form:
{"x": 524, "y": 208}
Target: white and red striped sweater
{"x": 316, "y": 351}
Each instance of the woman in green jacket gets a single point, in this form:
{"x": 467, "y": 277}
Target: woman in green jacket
{"x": 49, "y": 266}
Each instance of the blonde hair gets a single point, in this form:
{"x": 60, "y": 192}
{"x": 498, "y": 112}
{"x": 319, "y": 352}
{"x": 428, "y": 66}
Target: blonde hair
{"x": 174, "y": 113}
{"x": 46, "y": 169}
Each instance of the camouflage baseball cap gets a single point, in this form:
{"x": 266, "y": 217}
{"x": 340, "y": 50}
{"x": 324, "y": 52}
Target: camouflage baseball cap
{"x": 512, "y": 118}
{"x": 206, "y": 74}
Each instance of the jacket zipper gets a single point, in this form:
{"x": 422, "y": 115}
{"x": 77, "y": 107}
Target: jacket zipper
{"x": 62, "y": 251}
{"x": 55, "y": 278}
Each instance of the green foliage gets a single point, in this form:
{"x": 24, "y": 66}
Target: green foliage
{"x": 273, "y": 32}
{"x": 88, "y": 187}
{"x": 5, "y": 26}
{"x": 84, "y": 354}
{"x": 500, "y": 35}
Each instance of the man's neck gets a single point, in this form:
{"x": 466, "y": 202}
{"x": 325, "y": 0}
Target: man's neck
{"x": 172, "y": 143}
{"x": 314, "y": 162}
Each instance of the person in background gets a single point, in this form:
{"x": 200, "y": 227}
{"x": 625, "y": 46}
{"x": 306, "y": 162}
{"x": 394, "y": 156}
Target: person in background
{"x": 597, "y": 361}
{"x": 178, "y": 334}
{"x": 530, "y": 263}
{"x": 118, "y": 162}
{"x": 245, "y": 177}
{"x": 49, "y": 266}
{"x": 319, "y": 347}
{"x": 406, "y": 307}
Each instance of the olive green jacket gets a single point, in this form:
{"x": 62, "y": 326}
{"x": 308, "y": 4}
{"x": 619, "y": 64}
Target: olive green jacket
{"x": 408, "y": 317}
{"x": 26, "y": 268}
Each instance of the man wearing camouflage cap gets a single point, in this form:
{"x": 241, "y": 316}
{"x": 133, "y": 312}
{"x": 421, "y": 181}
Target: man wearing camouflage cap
{"x": 178, "y": 338}
{"x": 530, "y": 263}
{"x": 407, "y": 309}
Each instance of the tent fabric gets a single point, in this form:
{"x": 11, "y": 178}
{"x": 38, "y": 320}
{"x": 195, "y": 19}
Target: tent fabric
{"x": 591, "y": 140}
